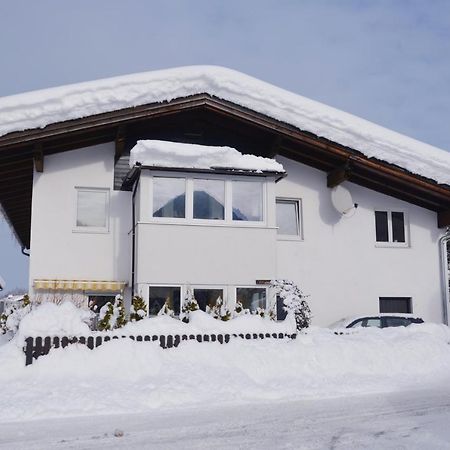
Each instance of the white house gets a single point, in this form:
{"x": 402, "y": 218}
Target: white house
{"x": 355, "y": 214}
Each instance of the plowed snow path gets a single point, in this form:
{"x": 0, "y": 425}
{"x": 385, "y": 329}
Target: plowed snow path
{"x": 407, "y": 420}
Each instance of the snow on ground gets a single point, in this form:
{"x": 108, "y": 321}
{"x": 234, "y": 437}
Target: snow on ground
{"x": 192, "y": 156}
{"x": 413, "y": 420}
{"x": 40, "y": 108}
{"x": 124, "y": 376}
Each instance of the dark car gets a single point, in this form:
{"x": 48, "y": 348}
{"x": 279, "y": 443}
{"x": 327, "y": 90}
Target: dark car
{"x": 378, "y": 321}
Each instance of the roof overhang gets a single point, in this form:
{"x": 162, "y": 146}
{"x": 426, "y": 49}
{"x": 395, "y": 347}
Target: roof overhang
{"x": 201, "y": 119}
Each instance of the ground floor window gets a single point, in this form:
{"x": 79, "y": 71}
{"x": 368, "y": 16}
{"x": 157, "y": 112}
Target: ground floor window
{"x": 251, "y": 298}
{"x": 97, "y": 302}
{"x": 159, "y": 295}
{"x": 281, "y": 312}
{"x": 207, "y": 297}
{"x": 395, "y": 305}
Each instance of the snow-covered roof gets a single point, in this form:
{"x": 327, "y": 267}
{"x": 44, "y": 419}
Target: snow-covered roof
{"x": 192, "y": 156}
{"x": 40, "y": 108}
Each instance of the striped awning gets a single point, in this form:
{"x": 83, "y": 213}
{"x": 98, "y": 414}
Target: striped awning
{"x": 79, "y": 285}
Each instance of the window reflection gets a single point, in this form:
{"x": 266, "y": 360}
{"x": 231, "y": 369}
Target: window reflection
{"x": 247, "y": 201}
{"x": 209, "y": 199}
{"x": 169, "y": 197}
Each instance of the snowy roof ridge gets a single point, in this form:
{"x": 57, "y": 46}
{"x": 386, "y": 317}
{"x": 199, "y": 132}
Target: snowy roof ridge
{"x": 156, "y": 153}
{"x": 40, "y": 108}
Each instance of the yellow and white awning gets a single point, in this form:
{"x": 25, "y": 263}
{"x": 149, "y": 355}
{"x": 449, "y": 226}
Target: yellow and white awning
{"x": 79, "y": 285}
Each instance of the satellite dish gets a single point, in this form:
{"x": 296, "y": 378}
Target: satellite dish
{"x": 342, "y": 200}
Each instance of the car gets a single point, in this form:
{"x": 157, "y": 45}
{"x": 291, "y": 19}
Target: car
{"x": 384, "y": 320}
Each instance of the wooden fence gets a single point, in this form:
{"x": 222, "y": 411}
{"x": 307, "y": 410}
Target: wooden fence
{"x": 40, "y": 346}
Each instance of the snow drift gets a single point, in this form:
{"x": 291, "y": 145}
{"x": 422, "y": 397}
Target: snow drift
{"x": 126, "y": 376}
{"x": 40, "y": 108}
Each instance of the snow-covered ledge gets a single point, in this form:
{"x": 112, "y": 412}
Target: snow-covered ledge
{"x": 154, "y": 153}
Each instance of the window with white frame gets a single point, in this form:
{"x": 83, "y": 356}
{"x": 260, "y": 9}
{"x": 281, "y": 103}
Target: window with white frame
{"x": 252, "y": 298}
{"x": 161, "y": 295}
{"x": 92, "y": 210}
{"x": 209, "y": 199}
{"x": 169, "y": 197}
{"x": 213, "y": 198}
{"x": 288, "y": 218}
{"x": 247, "y": 201}
{"x": 391, "y": 227}
{"x": 207, "y": 297}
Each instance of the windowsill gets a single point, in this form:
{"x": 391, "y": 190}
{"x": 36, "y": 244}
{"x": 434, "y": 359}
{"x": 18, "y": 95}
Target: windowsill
{"x": 287, "y": 237}
{"x": 89, "y": 230}
{"x": 392, "y": 245}
{"x": 212, "y": 224}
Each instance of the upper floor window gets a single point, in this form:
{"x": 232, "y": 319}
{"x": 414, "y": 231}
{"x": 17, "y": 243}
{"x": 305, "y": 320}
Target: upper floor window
{"x": 169, "y": 197}
{"x": 288, "y": 218}
{"x": 92, "y": 213}
{"x": 247, "y": 200}
{"x": 390, "y": 227}
{"x": 209, "y": 198}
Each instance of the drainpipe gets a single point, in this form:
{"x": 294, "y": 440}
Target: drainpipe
{"x": 443, "y": 242}
{"x": 133, "y": 232}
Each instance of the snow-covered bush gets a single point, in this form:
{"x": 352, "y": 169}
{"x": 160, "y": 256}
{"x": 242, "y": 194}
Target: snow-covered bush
{"x": 166, "y": 310}
{"x": 138, "y": 310}
{"x": 189, "y": 305}
{"x": 219, "y": 310}
{"x": 239, "y": 309}
{"x": 294, "y": 302}
{"x": 14, "y": 313}
{"x": 112, "y": 315}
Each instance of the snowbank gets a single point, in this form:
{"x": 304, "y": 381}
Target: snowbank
{"x": 192, "y": 156}
{"x": 126, "y": 377}
{"x": 50, "y": 319}
{"x": 40, "y": 108}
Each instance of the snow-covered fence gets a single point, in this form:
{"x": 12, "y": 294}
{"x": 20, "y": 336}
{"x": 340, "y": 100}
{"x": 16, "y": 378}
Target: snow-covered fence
{"x": 40, "y": 346}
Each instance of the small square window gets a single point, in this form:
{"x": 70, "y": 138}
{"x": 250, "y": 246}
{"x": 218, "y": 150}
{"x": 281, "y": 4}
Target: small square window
{"x": 288, "y": 217}
{"x": 390, "y": 227}
{"x": 92, "y": 209}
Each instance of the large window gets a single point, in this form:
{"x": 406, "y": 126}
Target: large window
{"x": 247, "y": 201}
{"x": 159, "y": 295}
{"x": 209, "y": 199}
{"x": 395, "y": 305}
{"x": 212, "y": 199}
{"x": 251, "y": 298}
{"x": 390, "y": 227}
{"x": 169, "y": 197}
{"x": 207, "y": 297}
{"x": 92, "y": 213}
{"x": 288, "y": 218}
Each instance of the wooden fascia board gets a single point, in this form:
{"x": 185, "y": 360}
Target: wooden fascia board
{"x": 443, "y": 219}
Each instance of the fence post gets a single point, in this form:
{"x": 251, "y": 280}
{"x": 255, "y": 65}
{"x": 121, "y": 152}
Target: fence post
{"x": 29, "y": 351}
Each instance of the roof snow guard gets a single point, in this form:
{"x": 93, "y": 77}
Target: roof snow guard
{"x": 213, "y": 106}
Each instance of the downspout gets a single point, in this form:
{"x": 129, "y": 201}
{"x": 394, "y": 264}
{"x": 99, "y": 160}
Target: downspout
{"x": 133, "y": 232}
{"x": 443, "y": 242}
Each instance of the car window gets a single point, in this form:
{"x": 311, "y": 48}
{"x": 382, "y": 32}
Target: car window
{"x": 357, "y": 324}
{"x": 397, "y": 322}
{"x": 372, "y": 322}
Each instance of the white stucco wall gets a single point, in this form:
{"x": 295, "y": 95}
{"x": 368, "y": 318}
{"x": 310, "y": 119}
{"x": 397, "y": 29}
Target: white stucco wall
{"x": 338, "y": 262}
{"x": 58, "y": 250}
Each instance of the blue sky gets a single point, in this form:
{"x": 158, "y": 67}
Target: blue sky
{"x": 386, "y": 61}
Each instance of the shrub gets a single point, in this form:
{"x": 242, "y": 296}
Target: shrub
{"x": 189, "y": 305}
{"x": 138, "y": 310}
{"x": 219, "y": 310}
{"x": 112, "y": 315}
{"x": 10, "y": 319}
{"x": 294, "y": 302}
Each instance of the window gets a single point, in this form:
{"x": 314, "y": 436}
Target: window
{"x": 251, "y": 298}
{"x": 207, "y": 297}
{"x": 288, "y": 217}
{"x": 159, "y": 295}
{"x": 169, "y": 197}
{"x": 97, "y": 302}
{"x": 390, "y": 227}
{"x": 209, "y": 199}
{"x": 92, "y": 209}
{"x": 247, "y": 200}
{"x": 366, "y": 322}
{"x": 395, "y": 305}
